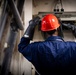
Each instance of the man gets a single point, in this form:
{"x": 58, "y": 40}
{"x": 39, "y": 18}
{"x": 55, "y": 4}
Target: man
{"x": 53, "y": 56}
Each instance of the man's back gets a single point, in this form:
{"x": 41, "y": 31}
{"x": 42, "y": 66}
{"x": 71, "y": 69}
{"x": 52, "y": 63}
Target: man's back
{"x": 52, "y": 57}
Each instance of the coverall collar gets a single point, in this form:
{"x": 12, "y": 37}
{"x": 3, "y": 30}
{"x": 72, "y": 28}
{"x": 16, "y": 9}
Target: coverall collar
{"x": 54, "y": 38}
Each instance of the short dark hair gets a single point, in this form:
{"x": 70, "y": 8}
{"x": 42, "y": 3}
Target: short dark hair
{"x": 44, "y": 34}
{"x": 51, "y": 32}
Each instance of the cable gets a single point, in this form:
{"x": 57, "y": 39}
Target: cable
{"x": 61, "y": 4}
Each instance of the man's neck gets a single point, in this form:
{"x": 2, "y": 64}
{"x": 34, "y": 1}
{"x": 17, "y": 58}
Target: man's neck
{"x": 55, "y": 34}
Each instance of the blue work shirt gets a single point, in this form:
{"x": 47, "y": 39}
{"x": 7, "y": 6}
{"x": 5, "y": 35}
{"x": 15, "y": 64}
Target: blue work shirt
{"x": 53, "y": 56}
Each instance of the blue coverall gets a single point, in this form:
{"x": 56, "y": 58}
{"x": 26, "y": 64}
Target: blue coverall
{"x": 53, "y": 56}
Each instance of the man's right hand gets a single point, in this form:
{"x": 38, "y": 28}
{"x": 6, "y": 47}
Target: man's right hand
{"x": 35, "y": 21}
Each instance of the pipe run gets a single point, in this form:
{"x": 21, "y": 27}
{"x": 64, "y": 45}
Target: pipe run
{"x": 16, "y": 14}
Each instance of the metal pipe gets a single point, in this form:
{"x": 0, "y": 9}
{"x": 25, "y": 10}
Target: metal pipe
{"x": 20, "y": 5}
{"x": 3, "y": 18}
{"x": 3, "y": 11}
{"x": 3, "y": 25}
{"x": 8, "y": 53}
{"x": 16, "y": 14}
{"x": 11, "y": 43}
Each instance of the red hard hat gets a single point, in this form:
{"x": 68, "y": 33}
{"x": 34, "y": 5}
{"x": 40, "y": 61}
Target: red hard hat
{"x": 49, "y": 22}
